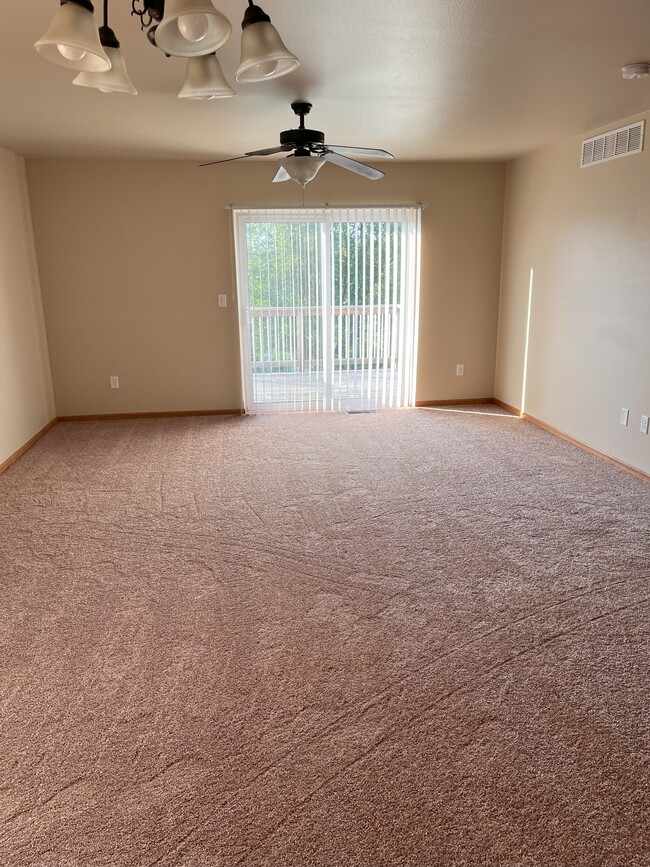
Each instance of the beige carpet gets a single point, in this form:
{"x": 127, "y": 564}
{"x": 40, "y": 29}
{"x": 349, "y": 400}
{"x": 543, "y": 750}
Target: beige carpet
{"x": 411, "y": 638}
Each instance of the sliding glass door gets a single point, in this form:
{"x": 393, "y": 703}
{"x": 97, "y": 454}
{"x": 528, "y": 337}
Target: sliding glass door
{"x": 328, "y": 306}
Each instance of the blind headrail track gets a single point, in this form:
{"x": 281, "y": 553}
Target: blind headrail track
{"x": 326, "y": 205}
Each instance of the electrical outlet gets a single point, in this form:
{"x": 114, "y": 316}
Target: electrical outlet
{"x": 625, "y": 416}
{"x": 223, "y": 301}
{"x": 460, "y": 370}
{"x": 644, "y": 424}
{"x": 115, "y": 382}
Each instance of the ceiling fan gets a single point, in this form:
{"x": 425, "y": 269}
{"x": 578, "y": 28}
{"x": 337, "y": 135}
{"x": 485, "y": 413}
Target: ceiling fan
{"x": 310, "y": 153}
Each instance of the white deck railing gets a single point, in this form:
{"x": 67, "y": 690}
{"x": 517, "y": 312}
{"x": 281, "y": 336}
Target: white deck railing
{"x": 290, "y": 338}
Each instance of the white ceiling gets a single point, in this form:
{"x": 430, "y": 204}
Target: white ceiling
{"x": 426, "y": 79}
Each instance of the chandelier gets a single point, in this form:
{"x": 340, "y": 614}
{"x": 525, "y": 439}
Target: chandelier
{"x": 193, "y": 29}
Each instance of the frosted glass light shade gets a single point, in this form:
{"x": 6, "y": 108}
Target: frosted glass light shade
{"x": 171, "y": 40}
{"x": 263, "y": 54}
{"x": 194, "y": 26}
{"x": 116, "y": 80}
{"x": 205, "y": 79}
{"x": 74, "y": 29}
{"x": 302, "y": 170}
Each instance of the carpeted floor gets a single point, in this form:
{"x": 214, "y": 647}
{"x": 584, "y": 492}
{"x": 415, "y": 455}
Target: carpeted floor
{"x": 411, "y": 638}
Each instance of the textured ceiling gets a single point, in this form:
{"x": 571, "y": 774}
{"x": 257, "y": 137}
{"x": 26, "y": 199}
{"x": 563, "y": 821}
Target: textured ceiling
{"x": 426, "y": 79}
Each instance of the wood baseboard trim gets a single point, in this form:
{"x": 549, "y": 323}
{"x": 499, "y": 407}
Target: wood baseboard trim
{"x": 592, "y": 451}
{"x": 4, "y": 466}
{"x": 467, "y": 401}
{"x": 506, "y": 406}
{"x": 124, "y": 416}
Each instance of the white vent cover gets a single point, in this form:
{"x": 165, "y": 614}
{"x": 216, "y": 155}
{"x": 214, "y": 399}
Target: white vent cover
{"x": 614, "y": 144}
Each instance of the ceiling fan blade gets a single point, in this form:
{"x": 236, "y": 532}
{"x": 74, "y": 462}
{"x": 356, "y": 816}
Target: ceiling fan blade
{"x": 353, "y": 166}
{"x": 216, "y": 162}
{"x": 267, "y": 151}
{"x": 281, "y": 175}
{"x": 363, "y": 152}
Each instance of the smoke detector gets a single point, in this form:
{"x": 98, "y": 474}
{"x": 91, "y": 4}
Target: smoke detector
{"x": 636, "y": 70}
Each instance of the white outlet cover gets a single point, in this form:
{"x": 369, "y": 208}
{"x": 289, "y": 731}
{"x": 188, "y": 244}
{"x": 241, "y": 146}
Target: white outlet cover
{"x": 460, "y": 370}
{"x": 223, "y": 301}
{"x": 643, "y": 427}
{"x": 115, "y": 382}
{"x": 625, "y": 416}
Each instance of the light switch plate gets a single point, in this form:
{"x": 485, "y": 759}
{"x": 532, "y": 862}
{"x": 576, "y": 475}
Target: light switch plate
{"x": 115, "y": 382}
{"x": 625, "y": 416}
{"x": 460, "y": 370}
{"x": 643, "y": 427}
{"x": 223, "y": 301}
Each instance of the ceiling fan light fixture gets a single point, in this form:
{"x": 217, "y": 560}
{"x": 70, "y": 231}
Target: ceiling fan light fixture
{"x": 302, "y": 169}
{"x": 192, "y": 28}
{"x": 636, "y": 70}
{"x": 116, "y": 80}
{"x": 72, "y": 39}
{"x": 263, "y": 53}
{"x": 205, "y": 79}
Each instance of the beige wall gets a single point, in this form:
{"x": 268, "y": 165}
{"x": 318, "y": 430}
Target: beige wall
{"x": 586, "y": 235}
{"x": 133, "y": 254}
{"x": 26, "y": 402}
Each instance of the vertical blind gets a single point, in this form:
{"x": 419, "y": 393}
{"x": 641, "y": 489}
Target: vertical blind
{"x": 328, "y": 302}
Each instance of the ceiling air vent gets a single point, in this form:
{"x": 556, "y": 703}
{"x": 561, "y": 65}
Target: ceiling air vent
{"x": 614, "y": 144}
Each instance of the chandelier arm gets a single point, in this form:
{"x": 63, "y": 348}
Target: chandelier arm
{"x": 146, "y": 19}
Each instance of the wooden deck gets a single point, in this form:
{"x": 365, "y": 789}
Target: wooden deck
{"x": 350, "y": 390}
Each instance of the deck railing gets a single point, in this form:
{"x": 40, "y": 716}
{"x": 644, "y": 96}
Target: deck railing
{"x": 287, "y": 339}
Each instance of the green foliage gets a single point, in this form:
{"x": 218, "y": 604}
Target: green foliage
{"x": 286, "y": 263}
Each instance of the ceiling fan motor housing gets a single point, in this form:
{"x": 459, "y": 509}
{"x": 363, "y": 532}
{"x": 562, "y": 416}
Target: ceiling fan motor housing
{"x": 301, "y": 138}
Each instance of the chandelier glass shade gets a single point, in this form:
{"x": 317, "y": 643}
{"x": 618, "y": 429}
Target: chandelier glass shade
{"x": 263, "y": 54}
{"x": 116, "y": 80}
{"x": 72, "y": 39}
{"x": 205, "y": 79}
{"x": 191, "y": 28}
